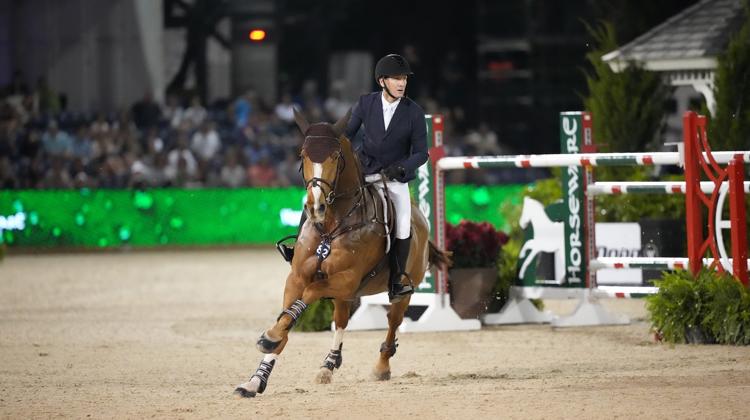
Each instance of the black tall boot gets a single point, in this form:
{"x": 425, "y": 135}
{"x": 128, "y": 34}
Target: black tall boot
{"x": 398, "y": 256}
{"x": 287, "y": 252}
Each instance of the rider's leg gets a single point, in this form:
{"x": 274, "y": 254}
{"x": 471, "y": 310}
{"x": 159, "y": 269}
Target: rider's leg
{"x": 399, "y": 254}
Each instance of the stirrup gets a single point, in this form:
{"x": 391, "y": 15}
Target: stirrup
{"x": 404, "y": 290}
{"x": 286, "y": 251}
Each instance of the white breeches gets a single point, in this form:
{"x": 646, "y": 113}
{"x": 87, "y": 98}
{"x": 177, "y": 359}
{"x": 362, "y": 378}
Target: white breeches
{"x": 399, "y": 193}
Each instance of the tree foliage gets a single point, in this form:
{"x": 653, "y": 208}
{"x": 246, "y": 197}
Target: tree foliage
{"x": 729, "y": 129}
{"x": 628, "y": 107}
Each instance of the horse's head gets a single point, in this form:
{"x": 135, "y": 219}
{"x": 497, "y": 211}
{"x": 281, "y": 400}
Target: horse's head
{"x": 322, "y": 163}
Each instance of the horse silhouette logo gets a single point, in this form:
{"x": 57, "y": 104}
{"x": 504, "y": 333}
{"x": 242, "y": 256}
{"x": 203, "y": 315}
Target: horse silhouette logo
{"x": 548, "y": 237}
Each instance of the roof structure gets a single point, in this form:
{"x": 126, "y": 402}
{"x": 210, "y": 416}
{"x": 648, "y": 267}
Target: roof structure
{"x": 686, "y": 46}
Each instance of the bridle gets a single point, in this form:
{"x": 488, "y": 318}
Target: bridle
{"x": 340, "y": 166}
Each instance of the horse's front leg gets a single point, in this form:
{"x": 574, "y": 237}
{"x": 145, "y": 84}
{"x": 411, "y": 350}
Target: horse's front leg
{"x": 275, "y": 336}
{"x": 382, "y": 370}
{"x": 334, "y": 358}
{"x": 258, "y": 381}
{"x": 297, "y": 298}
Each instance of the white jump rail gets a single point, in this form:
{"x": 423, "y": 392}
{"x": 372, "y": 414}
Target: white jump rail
{"x": 582, "y": 159}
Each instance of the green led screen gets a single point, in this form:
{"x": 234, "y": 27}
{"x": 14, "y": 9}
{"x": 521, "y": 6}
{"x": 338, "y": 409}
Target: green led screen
{"x": 115, "y": 218}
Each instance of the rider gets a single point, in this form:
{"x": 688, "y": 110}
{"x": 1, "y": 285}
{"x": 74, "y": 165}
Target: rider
{"x": 395, "y": 144}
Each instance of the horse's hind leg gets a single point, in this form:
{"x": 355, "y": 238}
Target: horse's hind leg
{"x": 382, "y": 371}
{"x": 257, "y": 383}
{"x": 334, "y": 358}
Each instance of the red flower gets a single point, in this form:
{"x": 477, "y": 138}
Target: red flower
{"x": 474, "y": 244}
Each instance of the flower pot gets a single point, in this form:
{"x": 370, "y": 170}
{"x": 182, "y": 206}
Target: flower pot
{"x": 471, "y": 290}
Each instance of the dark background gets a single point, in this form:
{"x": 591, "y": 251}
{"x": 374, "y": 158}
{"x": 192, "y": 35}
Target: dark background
{"x": 513, "y": 64}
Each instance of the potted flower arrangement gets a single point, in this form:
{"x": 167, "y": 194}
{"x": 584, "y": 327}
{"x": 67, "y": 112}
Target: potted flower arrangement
{"x": 472, "y": 278}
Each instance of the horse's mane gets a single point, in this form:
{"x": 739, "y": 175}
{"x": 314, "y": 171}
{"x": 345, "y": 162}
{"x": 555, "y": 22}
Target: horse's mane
{"x": 321, "y": 141}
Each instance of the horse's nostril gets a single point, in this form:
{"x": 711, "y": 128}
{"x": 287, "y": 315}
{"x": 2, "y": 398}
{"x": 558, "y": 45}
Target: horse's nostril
{"x": 322, "y": 208}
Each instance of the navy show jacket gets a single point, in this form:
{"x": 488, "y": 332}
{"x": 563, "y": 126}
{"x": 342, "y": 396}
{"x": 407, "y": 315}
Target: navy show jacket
{"x": 404, "y": 143}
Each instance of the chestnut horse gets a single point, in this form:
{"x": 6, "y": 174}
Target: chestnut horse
{"x": 340, "y": 252}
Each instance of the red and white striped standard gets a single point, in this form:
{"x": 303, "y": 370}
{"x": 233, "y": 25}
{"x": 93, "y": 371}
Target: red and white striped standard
{"x": 585, "y": 159}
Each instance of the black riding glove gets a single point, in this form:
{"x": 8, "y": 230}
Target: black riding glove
{"x": 394, "y": 172}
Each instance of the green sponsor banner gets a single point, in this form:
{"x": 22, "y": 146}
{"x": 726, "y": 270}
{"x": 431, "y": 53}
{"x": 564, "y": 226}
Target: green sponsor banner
{"x": 575, "y": 137}
{"x": 422, "y": 190}
{"x": 205, "y": 217}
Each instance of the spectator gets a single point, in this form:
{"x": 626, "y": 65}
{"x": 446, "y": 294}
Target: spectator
{"x": 172, "y": 112}
{"x": 80, "y": 176}
{"x": 100, "y": 125}
{"x": 262, "y": 173}
{"x": 285, "y": 109}
{"x": 206, "y": 141}
{"x": 336, "y": 106}
{"x": 8, "y": 178}
{"x": 146, "y": 112}
{"x": 289, "y": 170}
{"x": 195, "y": 114}
{"x": 56, "y": 142}
{"x": 114, "y": 173}
{"x": 232, "y": 172}
{"x": 57, "y": 176}
{"x": 244, "y": 107}
{"x": 81, "y": 145}
{"x": 180, "y": 161}
{"x": 153, "y": 143}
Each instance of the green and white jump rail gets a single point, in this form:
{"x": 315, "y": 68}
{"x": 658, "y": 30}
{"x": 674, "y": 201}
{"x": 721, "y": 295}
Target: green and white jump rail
{"x": 582, "y": 159}
{"x": 651, "y": 263}
{"x": 656, "y": 187}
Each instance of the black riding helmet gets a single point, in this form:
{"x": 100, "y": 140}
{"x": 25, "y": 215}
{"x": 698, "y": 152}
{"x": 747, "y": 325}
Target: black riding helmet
{"x": 392, "y": 65}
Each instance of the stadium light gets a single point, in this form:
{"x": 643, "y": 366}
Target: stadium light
{"x": 257, "y": 35}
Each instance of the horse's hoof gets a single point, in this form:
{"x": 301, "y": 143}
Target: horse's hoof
{"x": 241, "y": 392}
{"x": 381, "y": 376}
{"x": 266, "y": 345}
{"x": 324, "y": 376}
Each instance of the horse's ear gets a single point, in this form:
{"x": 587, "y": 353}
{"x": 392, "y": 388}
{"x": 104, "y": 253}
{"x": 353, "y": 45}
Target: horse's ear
{"x": 340, "y": 125}
{"x": 301, "y": 121}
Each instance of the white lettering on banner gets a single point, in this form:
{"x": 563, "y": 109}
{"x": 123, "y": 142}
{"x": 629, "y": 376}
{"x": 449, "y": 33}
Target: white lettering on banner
{"x": 619, "y": 240}
{"x": 570, "y": 131}
{"x": 13, "y": 222}
{"x": 423, "y": 175}
{"x": 567, "y": 128}
{"x": 570, "y": 128}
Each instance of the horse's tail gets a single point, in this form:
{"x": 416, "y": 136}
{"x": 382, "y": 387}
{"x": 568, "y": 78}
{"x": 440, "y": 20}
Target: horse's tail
{"x": 440, "y": 258}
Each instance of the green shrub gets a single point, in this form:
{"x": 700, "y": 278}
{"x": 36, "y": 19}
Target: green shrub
{"x": 728, "y": 311}
{"x": 709, "y": 307}
{"x": 317, "y": 317}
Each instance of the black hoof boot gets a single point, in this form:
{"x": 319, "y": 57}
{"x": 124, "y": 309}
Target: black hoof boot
{"x": 266, "y": 345}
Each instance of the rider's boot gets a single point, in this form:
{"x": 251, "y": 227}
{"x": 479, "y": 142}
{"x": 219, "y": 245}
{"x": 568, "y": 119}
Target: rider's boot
{"x": 287, "y": 252}
{"x": 398, "y": 256}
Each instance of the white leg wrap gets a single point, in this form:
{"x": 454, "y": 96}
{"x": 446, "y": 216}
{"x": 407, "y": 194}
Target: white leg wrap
{"x": 338, "y": 337}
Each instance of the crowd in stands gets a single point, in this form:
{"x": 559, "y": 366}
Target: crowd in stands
{"x": 179, "y": 143}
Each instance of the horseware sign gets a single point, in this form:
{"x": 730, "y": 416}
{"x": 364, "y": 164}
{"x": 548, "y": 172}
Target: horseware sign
{"x": 576, "y": 137}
